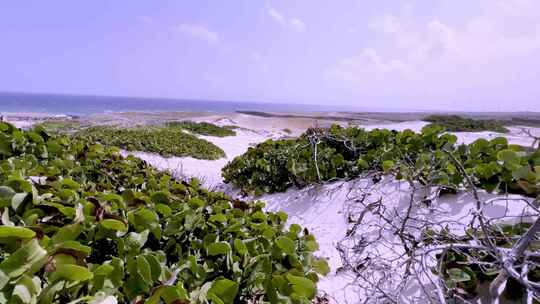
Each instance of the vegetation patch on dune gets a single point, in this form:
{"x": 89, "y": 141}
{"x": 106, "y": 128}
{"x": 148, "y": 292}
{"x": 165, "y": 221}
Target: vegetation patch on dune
{"x": 202, "y": 128}
{"x": 60, "y": 126}
{"x": 455, "y": 123}
{"x": 326, "y": 154}
{"x": 167, "y": 141}
{"x": 82, "y": 224}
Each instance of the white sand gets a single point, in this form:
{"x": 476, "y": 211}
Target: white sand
{"x": 207, "y": 171}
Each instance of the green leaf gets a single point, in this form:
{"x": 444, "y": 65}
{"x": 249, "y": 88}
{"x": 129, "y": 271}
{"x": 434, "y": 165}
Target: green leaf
{"x": 144, "y": 269}
{"x": 457, "y": 275}
{"x": 388, "y": 165}
{"x": 24, "y": 260}
{"x": 219, "y": 248}
{"x": 71, "y": 272}
{"x": 286, "y": 245}
{"x": 76, "y": 246}
{"x": 508, "y": 156}
{"x": 302, "y": 287}
{"x": 103, "y": 270}
{"x": 113, "y": 224}
{"x": 320, "y": 265}
{"x": 70, "y": 184}
{"x": 240, "y": 247}
{"x": 160, "y": 198}
{"x": 218, "y": 218}
{"x": 16, "y": 232}
{"x": 67, "y": 233}
{"x": 223, "y": 291}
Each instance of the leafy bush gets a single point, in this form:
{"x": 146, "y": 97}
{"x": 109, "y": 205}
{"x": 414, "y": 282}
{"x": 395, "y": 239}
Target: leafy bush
{"x": 81, "y": 223}
{"x": 275, "y": 166}
{"x": 455, "y": 123}
{"x": 166, "y": 141}
{"x": 60, "y": 126}
{"x": 202, "y": 128}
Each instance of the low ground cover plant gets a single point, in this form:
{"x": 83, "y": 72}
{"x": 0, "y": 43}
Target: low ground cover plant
{"x": 166, "y": 141}
{"x": 321, "y": 155}
{"x": 81, "y": 224}
{"x": 203, "y": 128}
{"x": 455, "y": 123}
{"x": 60, "y": 126}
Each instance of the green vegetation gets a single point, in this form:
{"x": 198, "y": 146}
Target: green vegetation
{"x": 467, "y": 271}
{"x": 455, "y": 123}
{"x": 60, "y": 126}
{"x": 167, "y": 141}
{"x": 430, "y": 156}
{"x": 202, "y": 128}
{"x": 81, "y": 223}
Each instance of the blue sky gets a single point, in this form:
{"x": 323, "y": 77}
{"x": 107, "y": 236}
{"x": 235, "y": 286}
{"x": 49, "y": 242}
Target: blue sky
{"x": 430, "y": 54}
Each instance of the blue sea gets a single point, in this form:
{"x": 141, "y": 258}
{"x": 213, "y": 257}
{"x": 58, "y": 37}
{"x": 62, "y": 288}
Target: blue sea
{"x": 80, "y": 105}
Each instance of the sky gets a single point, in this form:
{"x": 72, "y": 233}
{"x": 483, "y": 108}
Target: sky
{"x": 417, "y": 54}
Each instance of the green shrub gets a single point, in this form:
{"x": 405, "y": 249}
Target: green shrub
{"x": 165, "y": 141}
{"x": 81, "y": 223}
{"x": 202, "y": 128}
{"x": 455, "y": 123}
{"x": 277, "y": 165}
{"x": 59, "y": 126}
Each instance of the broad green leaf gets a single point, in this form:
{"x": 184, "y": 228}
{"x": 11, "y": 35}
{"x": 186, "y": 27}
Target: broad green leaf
{"x": 223, "y": 291}
{"x": 240, "y": 247}
{"x": 457, "y": 275}
{"x": 24, "y": 260}
{"x": 388, "y": 165}
{"x": 70, "y": 272}
{"x": 67, "y": 233}
{"x": 219, "y": 248}
{"x": 302, "y": 287}
{"x": 286, "y": 245}
{"x": 75, "y": 246}
{"x": 320, "y": 265}
{"x": 113, "y": 224}
{"x": 16, "y": 232}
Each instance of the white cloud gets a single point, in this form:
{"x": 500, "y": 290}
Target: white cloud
{"x": 198, "y": 32}
{"x": 289, "y": 23}
{"x": 485, "y": 41}
{"x": 368, "y": 63}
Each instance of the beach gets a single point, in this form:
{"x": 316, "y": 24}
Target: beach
{"x": 323, "y": 209}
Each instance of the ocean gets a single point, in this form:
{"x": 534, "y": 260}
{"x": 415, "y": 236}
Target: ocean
{"x": 81, "y": 105}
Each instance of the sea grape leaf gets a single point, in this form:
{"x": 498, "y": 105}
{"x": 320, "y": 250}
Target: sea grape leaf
{"x": 388, "y": 165}
{"x": 16, "y": 232}
{"x": 67, "y": 233}
{"x": 21, "y": 261}
{"x": 219, "y": 248}
{"x": 302, "y": 287}
{"x": 458, "y": 275}
{"x": 320, "y": 265}
{"x": 240, "y": 247}
{"x": 223, "y": 291}
{"x": 113, "y": 224}
{"x": 286, "y": 245}
{"x": 70, "y": 272}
